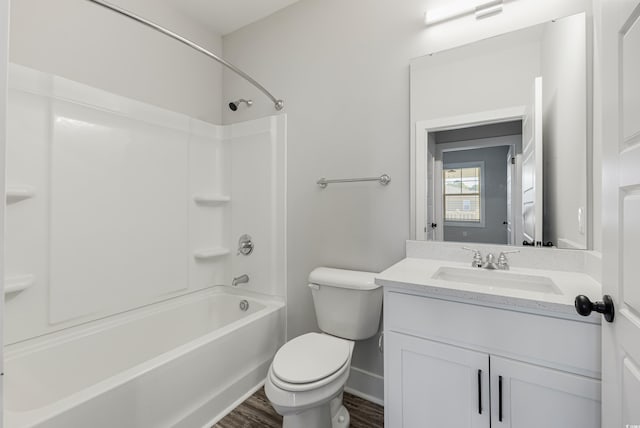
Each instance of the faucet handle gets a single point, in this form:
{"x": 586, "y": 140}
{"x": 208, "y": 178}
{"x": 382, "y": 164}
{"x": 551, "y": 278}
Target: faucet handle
{"x": 502, "y": 253}
{"x": 470, "y": 249}
{"x": 503, "y": 263}
{"x": 477, "y": 257}
{"x": 245, "y": 245}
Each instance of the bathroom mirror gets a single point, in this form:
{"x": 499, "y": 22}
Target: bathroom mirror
{"x": 500, "y": 149}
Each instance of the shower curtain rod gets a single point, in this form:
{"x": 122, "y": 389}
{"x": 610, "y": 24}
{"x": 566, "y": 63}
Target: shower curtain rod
{"x": 279, "y": 104}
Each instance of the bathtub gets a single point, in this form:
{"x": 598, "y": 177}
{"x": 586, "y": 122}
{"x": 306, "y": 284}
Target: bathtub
{"x": 181, "y": 363}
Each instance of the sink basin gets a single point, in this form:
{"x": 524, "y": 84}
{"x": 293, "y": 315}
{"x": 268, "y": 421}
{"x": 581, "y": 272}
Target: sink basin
{"x": 497, "y": 279}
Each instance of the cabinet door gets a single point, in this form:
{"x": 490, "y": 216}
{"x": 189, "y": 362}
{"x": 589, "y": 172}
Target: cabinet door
{"x": 430, "y": 384}
{"x": 528, "y": 396}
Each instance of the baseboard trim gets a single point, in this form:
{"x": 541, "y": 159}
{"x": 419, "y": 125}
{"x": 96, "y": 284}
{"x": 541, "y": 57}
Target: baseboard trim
{"x": 361, "y": 383}
{"x": 366, "y": 385}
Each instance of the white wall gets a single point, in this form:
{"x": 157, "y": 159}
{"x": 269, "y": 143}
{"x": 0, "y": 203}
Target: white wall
{"x": 89, "y": 44}
{"x": 564, "y": 95}
{"x": 342, "y": 68}
{"x": 493, "y": 74}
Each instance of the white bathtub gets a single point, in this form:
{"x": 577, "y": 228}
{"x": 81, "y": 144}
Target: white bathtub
{"x": 180, "y": 363}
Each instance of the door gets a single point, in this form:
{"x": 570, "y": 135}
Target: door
{"x": 430, "y": 384}
{"x": 528, "y": 396}
{"x": 438, "y": 200}
{"x": 532, "y": 162}
{"x": 620, "y": 58}
{"x": 431, "y": 223}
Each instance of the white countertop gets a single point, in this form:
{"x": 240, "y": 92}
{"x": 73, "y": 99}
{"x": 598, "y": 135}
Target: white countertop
{"x": 415, "y": 275}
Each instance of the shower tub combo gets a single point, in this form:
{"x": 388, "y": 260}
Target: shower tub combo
{"x": 180, "y": 363}
{"x": 119, "y": 324}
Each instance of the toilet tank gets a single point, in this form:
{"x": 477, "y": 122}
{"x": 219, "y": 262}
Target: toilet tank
{"x": 348, "y": 303}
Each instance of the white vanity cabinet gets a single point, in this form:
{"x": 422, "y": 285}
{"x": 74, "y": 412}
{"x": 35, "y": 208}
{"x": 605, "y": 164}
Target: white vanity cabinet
{"x": 456, "y": 364}
{"x": 431, "y": 384}
{"x": 534, "y": 396}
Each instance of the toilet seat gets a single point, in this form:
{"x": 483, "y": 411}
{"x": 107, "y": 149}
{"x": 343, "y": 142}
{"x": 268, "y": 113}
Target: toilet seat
{"x": 310, "y": 361}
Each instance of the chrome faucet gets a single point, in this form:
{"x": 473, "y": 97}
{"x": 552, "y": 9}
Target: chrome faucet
{"x": 490, "y": 262}
{"x": 242, "y": 279}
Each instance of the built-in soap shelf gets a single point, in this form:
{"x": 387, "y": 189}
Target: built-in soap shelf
{"x": 211, "y": 253}
{"x": 16, "y": 283}
{"x": 19, "y": 193}
{"x": 211, "y": 199}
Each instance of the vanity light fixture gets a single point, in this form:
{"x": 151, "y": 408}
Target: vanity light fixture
{"x": 448, "y": 13}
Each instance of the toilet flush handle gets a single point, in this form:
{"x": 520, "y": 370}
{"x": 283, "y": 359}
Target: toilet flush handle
{"x": 314, "y": 286}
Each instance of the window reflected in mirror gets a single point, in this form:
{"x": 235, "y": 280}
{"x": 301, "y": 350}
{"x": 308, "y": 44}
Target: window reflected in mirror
{"x": 462, "y": 194}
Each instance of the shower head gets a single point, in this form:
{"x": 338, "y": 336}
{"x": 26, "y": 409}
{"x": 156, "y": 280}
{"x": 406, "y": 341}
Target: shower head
{"x": 233, "y": 105}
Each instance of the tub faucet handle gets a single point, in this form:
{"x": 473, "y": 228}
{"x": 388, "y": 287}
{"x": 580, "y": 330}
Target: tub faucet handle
{"x": 245, "y": 245}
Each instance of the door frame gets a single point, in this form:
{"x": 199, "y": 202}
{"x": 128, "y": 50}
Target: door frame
{"x": 4, "y": 64}
{"x": 418, "y": 152}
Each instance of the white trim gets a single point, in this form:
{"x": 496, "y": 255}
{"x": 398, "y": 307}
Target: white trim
{"x": 370, "y": 398}
{"x": 233, "y": 405}
{"x": 418, "y": 150}
{"x": 366, "y": 385}
{"x": 4, "y": 58}
{"x": 478, "y": 143}
{"x": 473, "y": 119}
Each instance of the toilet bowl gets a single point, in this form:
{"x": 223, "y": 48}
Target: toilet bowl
{"x": 308, "y": 374}
{"x": 306, "y": 380}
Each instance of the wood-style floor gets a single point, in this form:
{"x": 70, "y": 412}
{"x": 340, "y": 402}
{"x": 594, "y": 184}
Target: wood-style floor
{"x": 256, "y": 412}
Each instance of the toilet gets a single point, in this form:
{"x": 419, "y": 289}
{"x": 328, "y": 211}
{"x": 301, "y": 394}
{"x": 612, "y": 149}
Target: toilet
{"x": 308, "y": 374}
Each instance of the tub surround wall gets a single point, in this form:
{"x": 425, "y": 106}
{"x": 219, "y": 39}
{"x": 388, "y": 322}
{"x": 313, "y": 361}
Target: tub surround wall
{"x": 346, "y": 97}
{"x": 129, "y": 204}
{"x": 258, "y": 174}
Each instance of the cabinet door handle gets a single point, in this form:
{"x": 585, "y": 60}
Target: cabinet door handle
{"x": 500, "y": 398}
{"x": 480, "y": 391}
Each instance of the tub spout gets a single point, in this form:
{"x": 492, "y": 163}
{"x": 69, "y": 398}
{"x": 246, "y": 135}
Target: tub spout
{"x": 242, "y": 279}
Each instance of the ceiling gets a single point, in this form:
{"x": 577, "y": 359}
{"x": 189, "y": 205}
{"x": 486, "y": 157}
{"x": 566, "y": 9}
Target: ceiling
{"x": 225, "y": 16}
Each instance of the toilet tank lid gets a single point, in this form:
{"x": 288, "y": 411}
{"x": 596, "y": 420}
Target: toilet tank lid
{"x": 343, "y": 278}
